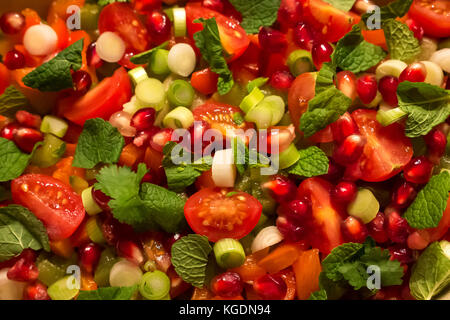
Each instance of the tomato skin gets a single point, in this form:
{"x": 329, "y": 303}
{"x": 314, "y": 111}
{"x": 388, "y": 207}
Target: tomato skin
{"x": 387, "y": 150}
{"x": 119, "y": 17}
{"x": 51, "y": 201}
{"x": 4, "y": 78}
{"x": 233, "y": 37}
{"x": 435, "y": 24}
{"x": 205, "y": 81}
{"x": 105, "y": 99}
{"x": 301, "y": 91}
{"x": 218, "y": 205}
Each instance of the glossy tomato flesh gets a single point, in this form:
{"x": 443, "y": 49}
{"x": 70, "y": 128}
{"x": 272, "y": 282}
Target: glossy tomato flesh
{"x": 433, "y": 16}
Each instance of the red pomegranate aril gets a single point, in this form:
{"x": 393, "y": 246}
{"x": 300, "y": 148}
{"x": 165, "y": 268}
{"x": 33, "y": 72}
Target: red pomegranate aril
{"x": 14, "y": 59}
{"x": 282, "y": 189}
{"x": 159, "y": 26}
{"x": 418, "y": 170}
{"x": 92, "y": 58}
{"x": 415, "y": 28}
{"x": 82, "y": 82}
{"x": 290, "y": 13}
{"x": 436, "y": 143}
{"x": 270, "y": 287}
{"x": 12, "y": 22}
{"x": 401, "y": 253}
{"x": 272, "y": 40}
{"x": 397, "y": 227}
{"x": 23, "y": 270}
{"x": 344, "y": 192}
{"x": 388, "y": 88}
{"x": 377, "y": 229}
{"x": 418, "y": 240}
{"x": 350, "y": 149}
{"x": 28, "y": 120}
{"x": 303, "y": 37}
{"x": 321, "y": 53}
{"x": 142, "y": 138}
{"x": 169, "y": 241}
{"x": 143, "y": 119}
{"x": 367, "y": 88}
{"x": 216, "y": 5}
{"x": 89, "y": 256}
{"x": 36, "y": 291}
{"x": 403, "y": 195}
{"x": 130, "y": 250}
{"x": 8, "y": 131}
{"x": 160, "y": 139}
{"x": 354, "y": 230}
{"x": 196, "y": 133}
{"x": 346, "y": 83}
{"x": 26, "y": 138}
{"x": 281, "y": 80}
{"x": 227, "y": 285}
{"x": 415, "y": 72}
{"x": 291, "y": 230}
{"x": 298, "y": 210}
{"x": 101, "y": 199}
{"x": 335, "y": 171}
{"x": 343, "y": 127}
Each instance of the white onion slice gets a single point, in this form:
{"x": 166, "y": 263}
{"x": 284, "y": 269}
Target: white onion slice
{"x": 267, "y": 237}
{"x": 125, "y": 274}
{"x": 442, "y": 58}
{"x": 40, "y": 40}
{"x": 390, "y": 68}
{"x": 182, "y": 59}
{"x": 435, "y": 75}
{"x": 110, "y": 47}
{"x": 224, "y": 169}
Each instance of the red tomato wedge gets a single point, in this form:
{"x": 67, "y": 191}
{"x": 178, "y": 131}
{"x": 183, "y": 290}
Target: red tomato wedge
{"x": 105, "y": 99}
{"x": 325, "y": 233}
{"x": 387, "y": 150}
{"x": 218, "y": 214}
{"x": 53, "y": 202}
{"x": 4, "y": 78}
{"x": 433, "y": 16}
{"x": 233, "y": 37}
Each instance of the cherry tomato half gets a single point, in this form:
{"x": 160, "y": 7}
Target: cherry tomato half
{"x": 433, "y": 16}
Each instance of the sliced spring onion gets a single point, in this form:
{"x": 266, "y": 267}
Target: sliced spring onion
{"x": 288, "y": 157}
{"x": 261, "y": 115}
{"x": 89, "y": 14}
{"x": 442, "y": 58}
{"x": 54, "y": 125}
{"x": 158, "y": 62}
{"x": 365, "y": 206}
{"x": 63, "y": 289}
{"x": 229, "y": 253}
{"x": 162, "y": 114}
{"x": 10, "y": 289}
{"x": 94, "y": 231}
{"x": 180, "y": 93}
{"x": 49, "y": 152}
{"x": 137, "y": 75}
{"x": 388, "y": 117}
{"x": 150, "y": 93}
{"x": 256, "y": 83}
{"x": 223, "y": 169}
{"x": 154, "y": 285}
{"x": 182, "y": 59}
{"x": 375, "y": 102}
{"x": 49, "y": 271}
{"x": 40, "y": 40}
{"x": 150, "y": 265}
{"x": 180, "y": 117}
{"x": 78, "y": 184}
{"x": 427, "y": 47}
{"x": 277, "y": 105}
{"x": 110, "y": 47}
{"x": 267, "y": 237}
{"x": 300, "y": 61}
{"x": 89, "y": 203}
{"x": 251, "y": 100}
{"x": 435, "y": 75}
{"x": 107, "y": 260}
{"x": 390, "y": 68}
{"x": 132, "y": 106}
{"x": 179, "y": 22}
{"x": 125, "y": 274}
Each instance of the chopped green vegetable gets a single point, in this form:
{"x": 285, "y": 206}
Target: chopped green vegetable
{"x": 312, "y": 162}
{"x": 14, "y": 161}
{"x": 11, "y": 101}
{"x": 109, "y": 293}
{"x": 145, "y": 57}
{"x": 401, "y": 42}
{"x": 257, "y": 13}
{"x": 154, "y": 285}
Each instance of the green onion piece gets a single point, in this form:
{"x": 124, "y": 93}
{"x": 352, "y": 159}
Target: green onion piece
{"x": 229, "y": 253}
{"x": 90, "y": 205}
{"x": 180, "y": 93}
{"x": 150, "y": 93}
{"x": 49, "y": 272}
{"x": 251, "y": 100}
{"x": 54, "y": 125}
{"x": 161, "y": 115}
{"x": 49, "y": 152}
{"x": 154, "y": 285}
{"x": 289, "y": 157}
{"x": 158, "y": 62}
{"x": 261, "y": 115}
{"x": 256, "y": 83}
{"x": 276, "y": 105}
{"x": 125, "y": 274}
{"x": 63, "y": 289}
{"x": 179, "y": 22}
{"x": 137, "y": 75}
{"x": 94, "y": 231}
{"x": 180, "y": 117}
{"x": 107, "y": 260}
{"x": 300, "y": 61}
{"x": 387, "y": 117}
{"x": 150, "y": 265}
{"x": 365, "y": 206}
{"x": 89, "y": 14}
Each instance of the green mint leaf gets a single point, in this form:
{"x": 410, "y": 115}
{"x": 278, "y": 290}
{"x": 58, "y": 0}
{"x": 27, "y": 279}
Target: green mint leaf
{"x": 426, "y": 106}
{"x": 14, "y": 161}
{"x": 19, "y": 230}
{"x": 344, "y": 5}
{"x": 318, "y": 295}
{"x": 190, "y": 258}
{"x": 393, "y": 10}
{"x": 144, "y": 57}
{"x": 354, "y": 54}
{"x": 243, "y": 156}
{"x": 256, "y": 83}
{"x": 313, "y": 162}
{"x": 427, "y": 209}
{"x": 324, "y": 109}
{"x": 354, "y": 273}
{"x": 106, "y": 2}
{"x": 5, "y": 194}
{"x": 99, "y": 142}
{"x": 390, "y": 270}
{"x": 208, "y": 42}
{"x": 257, "y": 13}
{"x": 400, "y": 40}
{"x": 11, "y": 101}
{"x": 108, "y": 293}
{"x": 338, "y": 256}
{"x": 55, "y": 74}
{"x": 431, "y": 273}
{"x": 325, "y": 78}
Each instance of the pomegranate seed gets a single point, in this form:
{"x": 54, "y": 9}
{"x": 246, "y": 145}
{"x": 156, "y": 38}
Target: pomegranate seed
{"x": 344, "y": 127}
{"x": 36, "y": 291}
{"x": 418, "y": 170}
{"x": 388, "y": 88}
{"x": 12, "y": 23}
{"x": 303, "y": 37}
{"x": 272, "y": 40}
{"x": 291, "y": 230}
{"x": 415, "y": 28}
{"x": 367, "y": 88}
{"x": 418, "y": 240}
{"x": 281, "y": 80}
{"x": 270, "y": 287}
{"x": 216, "y": 5}
{"x": 101, "y": 199}
{"x": 160, "y": 139}
{"x": 350, "y": 149}
{"x": 297, "y": 210}
{"x": 346, "y": 82}
{"x": 89, "y": 256}
{"x": 321, "y": 53}
{"x": 130, "y": 250}
{"x": 23, "y": 270}
{"x": 401, "y": 253}
{"x": 377, "y": 229}
{"x": 335, "y": 171}
{"x": 143, "y": 137}
{"x": 282, "y": 189}
{"x": 354, "y": 230}
{"x": 397, "y": 227}
{"x": 227, "y": 284}
{"x": 168, "y": 243}
{"x": 415, "y": 72}
{"x": 436, "y": 142}
{"x": 14, "y": 60}
{"x": 122, "y": 121}
{"x": 158, "y": 26}
{"x": 196, "y": 133}
{"x": 143, "y": 119}
{"x": 111, "y": 230}
{"x": 403, "y": 195}
{"x": 92, "y": 58}
{"x": 290, "y": 13}
{"x": 353, "y": 171}
{"x": 344, "y": 192}
{"x": 8, "y": 131}
{"x": 26, "y": 138}
{"x": 28, "y": 120}
{"x": 81, "y": 82}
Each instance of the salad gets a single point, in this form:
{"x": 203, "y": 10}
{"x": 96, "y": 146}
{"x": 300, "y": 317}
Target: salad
{"x": 225, "y": 150}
